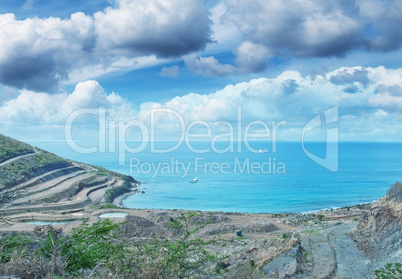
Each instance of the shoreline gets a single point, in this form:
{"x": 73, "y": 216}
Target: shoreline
{"x": 118, "y": 201}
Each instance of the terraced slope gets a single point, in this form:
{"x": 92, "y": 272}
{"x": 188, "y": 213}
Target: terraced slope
{"x": 33, "y": 180}
{"x": 11, "y": 148}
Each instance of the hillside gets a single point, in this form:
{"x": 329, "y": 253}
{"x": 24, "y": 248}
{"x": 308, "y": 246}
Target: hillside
{"x": 33, "y": 180}
{"x": 11, "y": 148}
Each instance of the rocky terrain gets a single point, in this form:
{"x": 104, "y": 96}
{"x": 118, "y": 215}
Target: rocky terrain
{"x": 379, "y": 232}
{"x": 342, "y": 245}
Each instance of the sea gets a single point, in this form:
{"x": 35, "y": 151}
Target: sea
{"x": 256, "y": 177}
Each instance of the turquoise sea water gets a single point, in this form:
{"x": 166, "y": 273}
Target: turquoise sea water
{"x": 283, "y": 181}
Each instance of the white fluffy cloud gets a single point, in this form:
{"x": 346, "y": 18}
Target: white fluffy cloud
{"x": 385, "y": 19}
{"x": 42, "y": 53}
{"x": 145, "y": 27}
{"x": 250, "y": 58}
{"x": 31, "y": 108}
{"x": 46, "y": 51}
{"x": 318, "y": 28}
{"x": 208, "y": 66}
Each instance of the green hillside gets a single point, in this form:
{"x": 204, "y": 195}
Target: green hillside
{"x": 22, "y": 169}
{"x": 10, "y": 148}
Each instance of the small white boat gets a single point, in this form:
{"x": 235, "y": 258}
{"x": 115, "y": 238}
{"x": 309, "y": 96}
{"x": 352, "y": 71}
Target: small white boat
{"x": 194, "y": 180}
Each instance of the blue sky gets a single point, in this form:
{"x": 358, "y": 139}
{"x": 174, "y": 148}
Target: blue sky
{"x": 283, "y": 61}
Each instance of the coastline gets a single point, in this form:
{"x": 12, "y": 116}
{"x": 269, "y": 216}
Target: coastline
{"x": 118, "y": 201}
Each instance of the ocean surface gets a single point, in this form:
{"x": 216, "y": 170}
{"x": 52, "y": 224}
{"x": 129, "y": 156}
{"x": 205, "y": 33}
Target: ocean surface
{"x": 286, "y": 180}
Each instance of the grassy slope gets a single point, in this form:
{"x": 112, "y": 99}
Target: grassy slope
{"x": 22, "y": 170}
{"x": 10, "y": 148}
{"x": 28, "y": 167}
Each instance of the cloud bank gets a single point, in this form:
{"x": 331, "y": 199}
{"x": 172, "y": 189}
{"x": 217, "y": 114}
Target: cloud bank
{"x": 371, "y": 111}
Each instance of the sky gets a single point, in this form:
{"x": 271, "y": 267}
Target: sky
{"x": 204, "y": 61}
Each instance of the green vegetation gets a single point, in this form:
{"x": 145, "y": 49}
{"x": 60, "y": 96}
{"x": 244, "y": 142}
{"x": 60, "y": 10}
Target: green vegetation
{"x": 102, "y": 244}
{"x": 55, "y": 255}
{"x": 15, "y": 172}
{"x": 305, "y": 257}
{"x": 12, "y": 244}
{"x": 10, "y": 148}
{"x": 84, "y": 247}
{"x": 114, "y": 192}
{"x": 395, "y": 192}
{"x": 390, "y": 271}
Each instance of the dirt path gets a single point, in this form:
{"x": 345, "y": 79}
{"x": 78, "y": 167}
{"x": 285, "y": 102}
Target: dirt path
{"x": 92, "y": 193}
{"x": 17, "y": 158}
{"x": 334, "y": 253}
{"x": 44, "y": 177}
{"x": 97, "y": 193}
{"x": 322, "y": 253}
{"x": 51, "y": 188}
{"x": 45, "y": 180}
{"x": 351, "y": 262}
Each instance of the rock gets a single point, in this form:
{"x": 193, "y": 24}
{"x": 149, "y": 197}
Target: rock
{"x": 164, "y": 219}
{"x": 223, "y": 229}
{"x": 256, "y": 225}
{"x": 379, "y": 233}
{"x": 212, "y": 219}
{"x": 141, "y": 227}
{"x": 260, "y": 226}
{"x": 286, "y": 265}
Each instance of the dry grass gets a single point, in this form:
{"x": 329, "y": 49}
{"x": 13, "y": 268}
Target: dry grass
{"x": 24, "y": 264}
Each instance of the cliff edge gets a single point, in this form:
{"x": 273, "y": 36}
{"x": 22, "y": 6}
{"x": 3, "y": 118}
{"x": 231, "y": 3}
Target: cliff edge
{"x": 379, "y": 233}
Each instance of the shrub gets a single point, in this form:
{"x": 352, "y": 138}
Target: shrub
{"x": 9, "y": 245}
{"x": 390, "y": 271}
{"x": 84, "y": 248}
{"x": 320, "y": 217}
